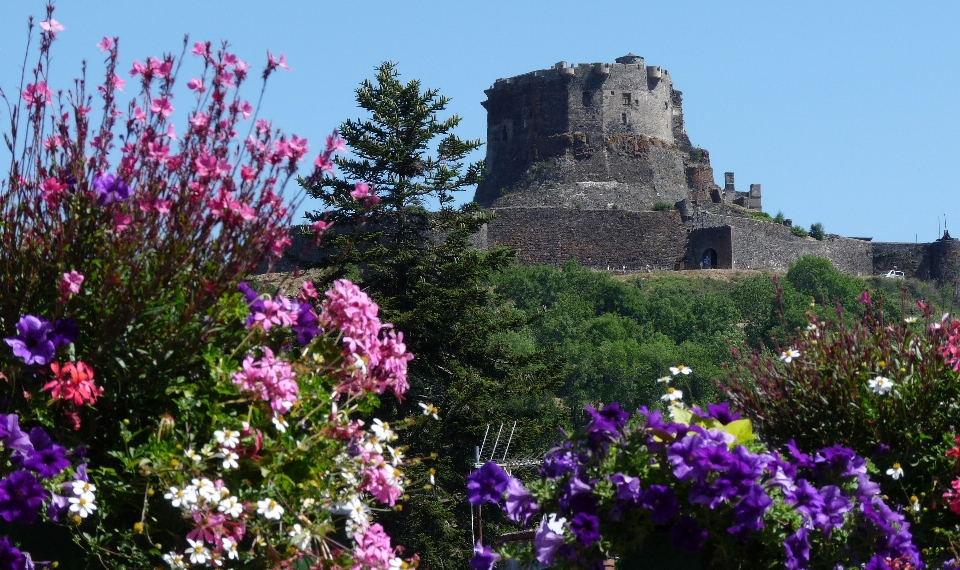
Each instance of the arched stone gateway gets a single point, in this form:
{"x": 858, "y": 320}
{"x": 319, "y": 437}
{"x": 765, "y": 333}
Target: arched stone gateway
{"x": 709, "y": 259}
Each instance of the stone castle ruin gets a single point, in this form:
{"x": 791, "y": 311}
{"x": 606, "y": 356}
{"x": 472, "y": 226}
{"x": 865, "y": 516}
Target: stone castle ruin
{"x": 592, "y": 162}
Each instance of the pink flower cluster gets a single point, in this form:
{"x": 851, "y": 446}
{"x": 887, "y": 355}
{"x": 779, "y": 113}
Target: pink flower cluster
{"x": 70, "y": 283}
{"x": 366, "y": 196}
{"x": 373, "y": 550}
{"x": 375, "y": 356}
{"x": 383, "y": 482}
{"x": 951, "y": 350}
{"x": 271, "y": 378}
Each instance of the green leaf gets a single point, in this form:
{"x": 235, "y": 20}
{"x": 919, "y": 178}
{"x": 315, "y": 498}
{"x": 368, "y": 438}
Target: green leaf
{"x": 740, "y": 429}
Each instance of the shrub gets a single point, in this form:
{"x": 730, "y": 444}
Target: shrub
{"x": 663, "y": 207}
{"x": 887, "y": 390}
{"x": 779, "y": 218}
{"x": 798, "y": 231}
{"x": 762, "y": 216}
{"x": 816, "y": 231}
{"x": 700, "y": 482}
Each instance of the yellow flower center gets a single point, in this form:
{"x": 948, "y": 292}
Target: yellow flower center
{"x": 896, "y": 466}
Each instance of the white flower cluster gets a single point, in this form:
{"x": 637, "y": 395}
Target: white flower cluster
{"x": 83, "y": 501}
{"x": 198, "y": 553}
{"x": 204, "y": 493}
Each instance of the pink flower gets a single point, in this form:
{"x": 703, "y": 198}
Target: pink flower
{"x": 247, "y": 173}
{"x": 51, "y": 190}
{"x": 73, "y": 382}
{"x": 37, "y": 95}
{"x": 279, "y": 245}
{"x": 70, "y": 283}
{"x": 138, "y": 68}
{"x": 335, "y": 143}
{"x": 196, "y": 85}
{"x": 139, "y": 114}
{"x": 272, "y": 379}
{"x": 382, "y": 483}
{"x": 273, "y": 64}
{"x": 162, "y": 105}
{"x": 320, "y": 227}
{"x": 171, "y": 131}
{"x": 323, "y": 163}
{"x": 121, "y": 222}
{"x": 362, "y": 192}
{"x": 200, "y": 49}
{"x": 373, "y": 548}
{"x": 307, "y": 292}
{"x": 117, "y": 82}
{"x": 52, "y": 26}
{"x": 106, "y": 44}
{"x": 158, "y": 151}
{"x": 246, "y": 109}
{"x": 263, "y": 126}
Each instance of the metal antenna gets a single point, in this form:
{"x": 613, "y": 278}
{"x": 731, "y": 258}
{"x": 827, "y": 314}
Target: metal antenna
{"x": 509, "y": 440}
{"x": 484, "y": 444}
{"x": 495, "y": 443}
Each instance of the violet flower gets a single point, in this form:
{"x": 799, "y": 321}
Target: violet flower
{"x": 487, "y": 484}
{"x": 483, "y": 558}
{"x": 33, "y": 343}
{"x": 748, "y": 514}
{"x": 835, "y": 505}
{"x": 548, "y": 539}
{"x": 48, "y": 459}
{"x": 586, "y": 527}
{"x": 12, "y": 437}
{"x": 520, "y": 503}
{"x": 797, "y": 547}
{"x": 64, "y": 331}
{"x": 662, "y": 501}
{"x": 10, "y": 556}
{"x": 110, "y": 189}
{"x": 21, "y": 497}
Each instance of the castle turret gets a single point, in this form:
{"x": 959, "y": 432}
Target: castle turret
{"x": 590, "y": 135}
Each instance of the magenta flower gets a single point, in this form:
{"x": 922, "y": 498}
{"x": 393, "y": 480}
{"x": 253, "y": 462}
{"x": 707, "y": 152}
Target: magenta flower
{"x": 33, "y": 343}
{"x": 162, "y": 106}
{"x": 106, "y": 44}
{"x": 52, "y": 27}
{"x": 363, "y": 193}
{"x": 70, "y": 283}
{"x": 110, "y": 189}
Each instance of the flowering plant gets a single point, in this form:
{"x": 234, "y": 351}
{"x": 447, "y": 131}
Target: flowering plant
{"x": 217, "y": 427}
{"x": 888, "y": 390}
{"x": 701, "y": 480}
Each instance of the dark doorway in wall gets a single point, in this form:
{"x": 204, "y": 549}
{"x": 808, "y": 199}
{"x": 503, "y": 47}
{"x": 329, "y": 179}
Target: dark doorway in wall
{"x": 709, "y": 259}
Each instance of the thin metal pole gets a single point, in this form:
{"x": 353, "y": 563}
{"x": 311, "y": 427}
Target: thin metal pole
{"x": 508, "y": 442}
{"x": 482, "y": 445}
{"x": 495, "y": 443}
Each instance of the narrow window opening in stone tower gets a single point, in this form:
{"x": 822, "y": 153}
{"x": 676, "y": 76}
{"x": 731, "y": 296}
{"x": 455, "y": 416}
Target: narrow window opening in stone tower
{"x": 665, "y": 104}
{"x": 626, "y": 98}
{"x": 623, "y": 117}
{"x": 587, "y": 98}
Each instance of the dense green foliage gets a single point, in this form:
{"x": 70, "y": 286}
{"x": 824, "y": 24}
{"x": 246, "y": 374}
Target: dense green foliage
{"x": 816, "y": 231}
{"x": 663, "y": 207}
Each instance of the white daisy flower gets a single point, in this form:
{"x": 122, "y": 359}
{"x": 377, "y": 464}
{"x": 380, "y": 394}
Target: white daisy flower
{"x": 787, "y": 356}
{"x": 396, "y": 456}
{"x": 227, "y": 437}
{"x": 270, "y": 509}
{"x": 359, "y": 512}
{"x": 197, "y": 551}
{"x": 229, "y": 458}
{"x": 179, "y": 497}
{"x": 216, "y": 559}
{"x": 193, "y": 456}
{"x": 910, "y": 320}
{"x": 81, "y": 487}
{"x": 896, "y": 471}
{"x": 880, "y": 385}
{"x": 665, "y": 379}
{"x": 430, "y": 410}
{"x": 83, "y": 505}
{"x": 681, "y": 369}
{"x": 672, "y": 395}
{"x": 231, "y": 506}
{"x": 175, "y": 561}
{"x": 300, "y": 537}
{"x": 281, "y": 424}
{"x": 230, "y": 547}
{"x": 382, "y": 431}
{"x": 915, "y": 504}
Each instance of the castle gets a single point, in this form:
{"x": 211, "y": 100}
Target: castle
{"x": 592, "y": 162}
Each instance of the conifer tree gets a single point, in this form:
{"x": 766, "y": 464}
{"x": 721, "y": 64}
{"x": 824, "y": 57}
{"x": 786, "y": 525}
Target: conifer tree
{"x": 431, "y": 285}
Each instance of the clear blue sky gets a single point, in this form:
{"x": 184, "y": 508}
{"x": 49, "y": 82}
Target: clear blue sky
{"x": 846, "y": 112}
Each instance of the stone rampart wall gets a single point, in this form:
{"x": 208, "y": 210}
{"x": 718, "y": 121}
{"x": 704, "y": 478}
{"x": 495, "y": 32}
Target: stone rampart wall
{"x": 596, "y": 238}
{"x": 763, "y": 245}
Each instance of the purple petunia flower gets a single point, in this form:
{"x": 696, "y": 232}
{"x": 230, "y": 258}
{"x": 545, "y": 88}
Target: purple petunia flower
{"x": 483, "y": 558}
{"x": 548, "y": 539}
{"x": 687, "y": 534}
{"x": 806, "y": 499}
{"x": 606, "y": 423}
{"x": 800, "y": 459}
{"x": 839, "y": 460}
{"x": 797, "y": 547}
{"x": 628, "y": 488}
{"x": 20, "y": 497}
{"x": 110, "y": 189}
{"x": 721, "y": 412}
{"x": 57, "y": 509}
{"x": 48, "y": 459}
{"x": 748, "y": 514}
{"x": 835, "y": 505}
{"x": 662, "y": 501}
{"x": 65, "y": 331}
{"x": 10, "y": 556}
{"x": 680, "y": 454}
{"x": 33, "y": 343}
{"x": 308, "y": 325}
{"x": 487, "y": 484}
{"x": 12, "y": 437}
{"x": 558, "y": 462}
{"x": 586, "y": 527}
{"x": 520, "y": 503}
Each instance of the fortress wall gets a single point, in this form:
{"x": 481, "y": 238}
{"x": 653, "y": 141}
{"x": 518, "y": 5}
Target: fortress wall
{"x": 911, "y": 258}
{"x": 596, "y": 238}
{"x": 719, "y": 238}
{"x": 763, "y": 245}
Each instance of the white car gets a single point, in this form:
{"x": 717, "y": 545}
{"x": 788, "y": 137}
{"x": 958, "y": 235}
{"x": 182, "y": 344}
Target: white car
{"x": 893, "y": 274}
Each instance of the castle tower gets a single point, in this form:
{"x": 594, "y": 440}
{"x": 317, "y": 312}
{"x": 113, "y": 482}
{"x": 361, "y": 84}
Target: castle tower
{"x": 589, "y": 136}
